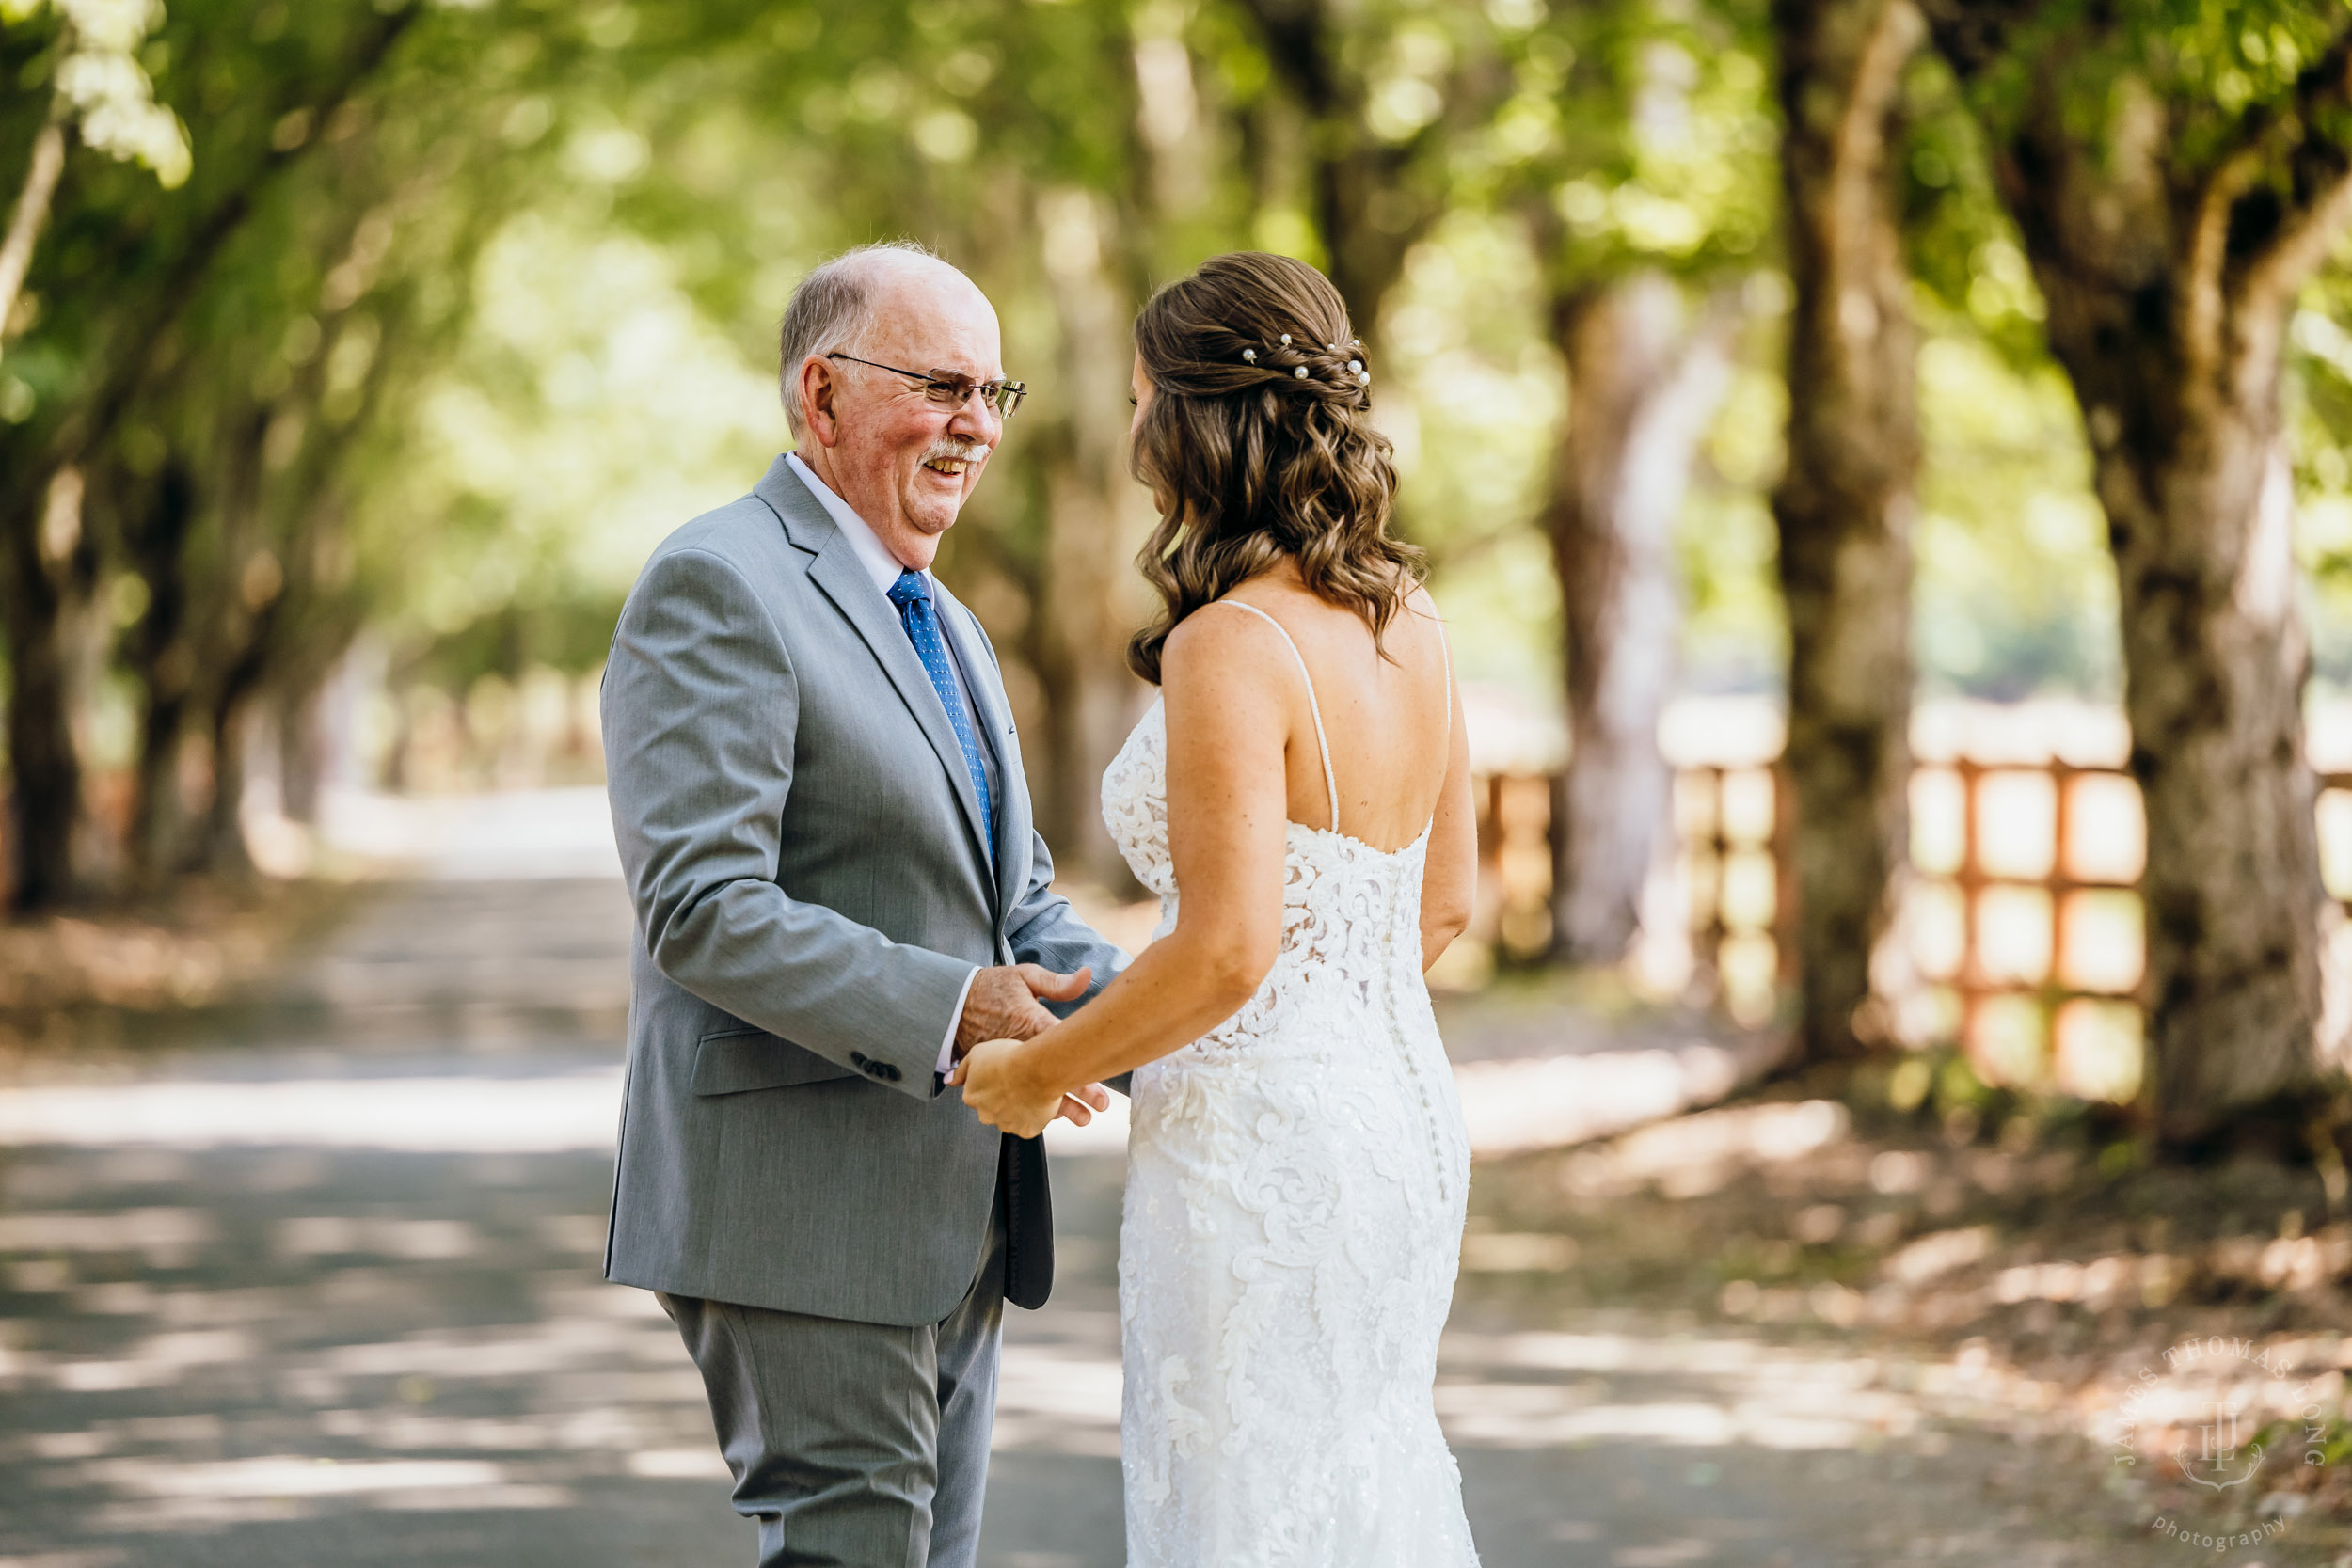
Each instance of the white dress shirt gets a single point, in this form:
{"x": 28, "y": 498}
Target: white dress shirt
{"x": 884, "y": 568}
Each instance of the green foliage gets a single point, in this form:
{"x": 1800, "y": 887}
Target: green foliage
{"x": 2217, "y": 65}
{"x": 1471, "y": 394}
{"x": 461, "y": 307}
{"x": 1960, "y": 244}
{"x": 1648, "y": 132}
{"x": 589, "y": 408}
{"x": 2016, "y": 594}
{"x": 1735, "y": 630}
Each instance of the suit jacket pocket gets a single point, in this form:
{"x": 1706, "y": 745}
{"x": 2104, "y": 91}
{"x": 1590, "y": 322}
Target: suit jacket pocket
{"x": 732, "y": 1061}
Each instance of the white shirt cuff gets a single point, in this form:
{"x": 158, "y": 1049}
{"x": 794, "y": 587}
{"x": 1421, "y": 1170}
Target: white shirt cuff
{"x": 955, "y": 1021}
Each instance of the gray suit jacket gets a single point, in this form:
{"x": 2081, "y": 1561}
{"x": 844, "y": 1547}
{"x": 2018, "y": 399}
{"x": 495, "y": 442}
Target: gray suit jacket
{"x": 802, "y": 843}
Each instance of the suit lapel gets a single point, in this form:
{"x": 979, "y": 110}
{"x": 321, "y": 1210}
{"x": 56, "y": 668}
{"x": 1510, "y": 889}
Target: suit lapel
{"x": 838, "y": 571}
{"x": 994, "y": 723}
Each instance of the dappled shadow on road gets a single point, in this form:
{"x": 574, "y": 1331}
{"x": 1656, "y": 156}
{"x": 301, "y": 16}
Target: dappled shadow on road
{"x": 310, "y": 1355}
{"x": 315, "y": 1277}
{"x": 328, "y": 1291}
{"x": 238, "y": 1356}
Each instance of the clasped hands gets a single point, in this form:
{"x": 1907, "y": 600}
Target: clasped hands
{"x": 1001, "y": 1011}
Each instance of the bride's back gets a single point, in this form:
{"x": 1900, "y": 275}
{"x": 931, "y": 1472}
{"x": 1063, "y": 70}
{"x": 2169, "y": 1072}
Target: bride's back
{"x": 1386, "y": 710}
{"x": 1296, "y": 1175}
{"x": 1253, "y": 429}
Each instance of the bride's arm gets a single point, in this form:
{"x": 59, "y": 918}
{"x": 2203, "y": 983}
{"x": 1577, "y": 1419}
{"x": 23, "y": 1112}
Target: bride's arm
{"x": 1228, "y": 798}
{"x": 1449, "y": 877}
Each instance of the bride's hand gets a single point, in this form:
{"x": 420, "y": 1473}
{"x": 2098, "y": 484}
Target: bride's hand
{"x": 998, "y": 1089}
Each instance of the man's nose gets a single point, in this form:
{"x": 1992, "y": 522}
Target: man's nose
{"x": 975, "y": 420}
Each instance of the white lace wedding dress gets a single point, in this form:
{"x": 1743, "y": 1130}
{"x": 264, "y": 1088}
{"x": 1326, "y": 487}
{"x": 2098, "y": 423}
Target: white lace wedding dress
{"x": 1295, "y": 1186}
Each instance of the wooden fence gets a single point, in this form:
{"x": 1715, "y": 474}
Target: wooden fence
{"x": 2022, "y": 918}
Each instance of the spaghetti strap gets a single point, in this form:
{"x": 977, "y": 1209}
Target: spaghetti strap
{"x": 1330, "y": 780}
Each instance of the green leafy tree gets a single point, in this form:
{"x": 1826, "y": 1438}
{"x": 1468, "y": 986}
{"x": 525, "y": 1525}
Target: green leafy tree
{"x": 2177, "y": 173}
{"x": 204, "y": 397}
{"x": 122, "y": 263}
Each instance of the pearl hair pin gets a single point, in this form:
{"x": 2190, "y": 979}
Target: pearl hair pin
{"x": 1300, "y": 373}
{"x": 1250, "y": 357}
{"x": 1286, "y": 339}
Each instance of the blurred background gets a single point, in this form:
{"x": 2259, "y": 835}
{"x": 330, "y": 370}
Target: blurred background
{"x": 1887, "y": 468}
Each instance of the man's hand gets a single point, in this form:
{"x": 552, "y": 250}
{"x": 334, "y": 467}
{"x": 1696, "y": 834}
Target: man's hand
{"x": 1079, "y": 1105}
{"x": 1003, "y": 1003}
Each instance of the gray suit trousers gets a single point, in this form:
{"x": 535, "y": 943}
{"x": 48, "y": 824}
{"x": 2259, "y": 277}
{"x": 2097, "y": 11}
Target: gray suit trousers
{"x": 855, "y": 1445}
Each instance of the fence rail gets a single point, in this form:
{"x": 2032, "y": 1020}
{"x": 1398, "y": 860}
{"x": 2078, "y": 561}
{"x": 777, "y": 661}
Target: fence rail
{"x": 2022, "y": 916}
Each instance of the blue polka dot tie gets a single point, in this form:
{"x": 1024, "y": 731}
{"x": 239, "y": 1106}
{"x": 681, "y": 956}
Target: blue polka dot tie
{"x": 911, "y": 593}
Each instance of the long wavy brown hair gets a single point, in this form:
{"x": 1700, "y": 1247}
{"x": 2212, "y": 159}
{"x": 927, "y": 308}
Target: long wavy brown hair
{"x": 1257, "y": 445}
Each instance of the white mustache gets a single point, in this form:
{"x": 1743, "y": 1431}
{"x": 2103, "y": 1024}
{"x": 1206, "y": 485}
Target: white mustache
{"x": 956, "y": 451}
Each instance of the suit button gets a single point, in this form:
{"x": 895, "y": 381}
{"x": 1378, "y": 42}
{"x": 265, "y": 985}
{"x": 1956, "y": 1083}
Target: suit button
{"x": 873, "y": 1068}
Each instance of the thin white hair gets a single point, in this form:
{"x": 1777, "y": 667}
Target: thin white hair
{"x": 830, "y": 312}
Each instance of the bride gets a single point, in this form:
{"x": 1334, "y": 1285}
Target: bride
{"x": 1297, "y": 1168}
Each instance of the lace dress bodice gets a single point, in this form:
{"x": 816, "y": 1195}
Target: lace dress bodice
{"x": 1296, "y": 1192}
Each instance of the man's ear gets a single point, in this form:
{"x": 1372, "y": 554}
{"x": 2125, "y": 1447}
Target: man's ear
{"x": 817, "y": 388}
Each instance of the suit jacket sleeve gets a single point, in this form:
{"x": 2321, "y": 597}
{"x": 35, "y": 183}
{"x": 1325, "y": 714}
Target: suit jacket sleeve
{"x": 1044, "y": 929}
{"x": 699, "y": 706}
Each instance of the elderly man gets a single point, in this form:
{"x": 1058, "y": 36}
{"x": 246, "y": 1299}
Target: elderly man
{"x": 820, "y": 807}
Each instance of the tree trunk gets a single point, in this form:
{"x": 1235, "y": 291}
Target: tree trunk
{"x": 2214, "y": 663}
{"x": 1642, "y": 383}
{"x": 2169, "y": 286}
{"x": 2169, "y": 269}
{"x": 166, "y": 664}
{"x": 37, "y": 610}
{"x": 220, "y": 849}
{"x": 1844, "y": 506}
{"x": 27, "y": 215}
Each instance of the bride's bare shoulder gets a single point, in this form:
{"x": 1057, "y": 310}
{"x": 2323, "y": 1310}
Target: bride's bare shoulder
{"x": 1218, "y": 637}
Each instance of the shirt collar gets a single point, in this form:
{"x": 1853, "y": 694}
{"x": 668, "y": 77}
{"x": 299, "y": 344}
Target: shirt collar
{"x": 865, "y": 543}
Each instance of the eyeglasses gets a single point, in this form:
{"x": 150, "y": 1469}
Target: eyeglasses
{"x": 951, "y": 391}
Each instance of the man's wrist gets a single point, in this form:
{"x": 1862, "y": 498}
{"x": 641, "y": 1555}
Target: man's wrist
{"x": 951, "y": 1050}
